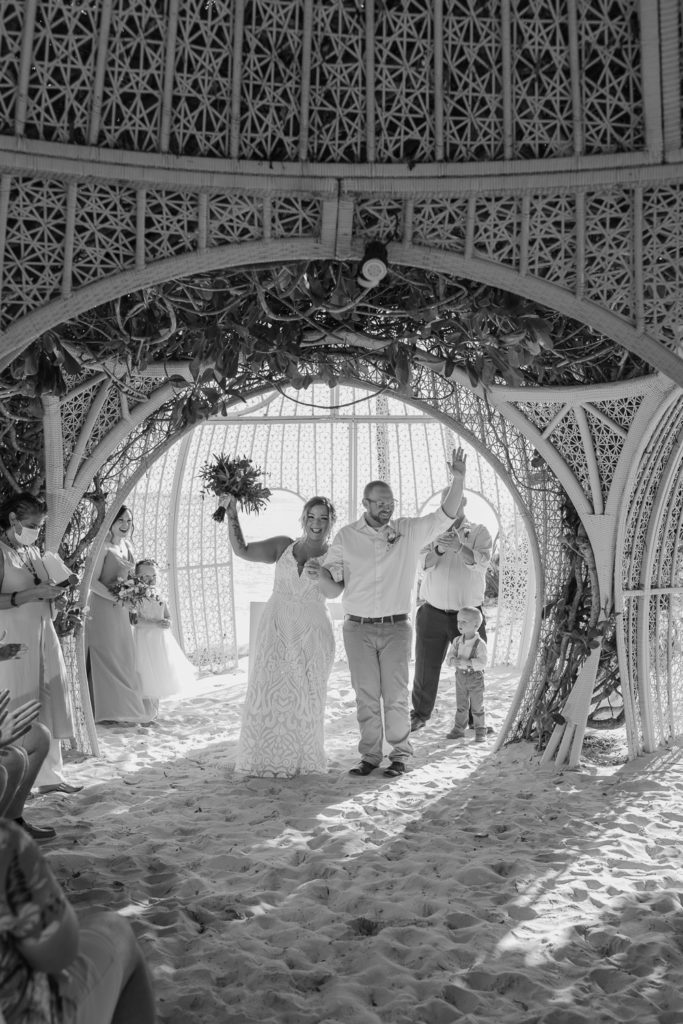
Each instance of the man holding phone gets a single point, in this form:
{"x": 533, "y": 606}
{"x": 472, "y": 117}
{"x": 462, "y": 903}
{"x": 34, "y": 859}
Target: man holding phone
{"x": 455, "y": 567}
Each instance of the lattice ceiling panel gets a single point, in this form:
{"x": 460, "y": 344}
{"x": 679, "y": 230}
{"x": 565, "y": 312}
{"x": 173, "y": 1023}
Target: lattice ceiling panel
{"x": 234, "y": 218}
{"x": 440, "y": 223}
{"x": 663, "y": 261}
{"x": 337, "y": 119}
{"x": 104, "y": 231}
{"x": 36, "y": 227}
{"x": 541, "y": 80}
{"x": 295, "y": 217}
{"x": 203, "y": 76}
{"x": 611, "y": 92}
{"x": 552, "y": 238}
{"x": 10, "y": 55}
{"x": 621, "y": 410}
{"x": 403, "y": 54}
{"x": 376, "y": 217}
{"x": 271, "y": 80}
{"x": 608, "y": 446}
{"x": 496, "y": 227}
{"x": 171, "y": 224}
{"x": 473, "y": 81}
{"x": 134, "y": 78}
{"x": 609, "y": 250}
{"x": 567, "y": 440}
{"x": 506, "y": 87}
{"x": 539, "y": 413}
{"x": 62, "y": 71}
{"x": 141, "y": 389}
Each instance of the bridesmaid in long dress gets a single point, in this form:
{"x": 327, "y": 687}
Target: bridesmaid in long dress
{"x": 291, "y": 658}
{"x": 27, "y": 596}
{"x": 116, "y": 687}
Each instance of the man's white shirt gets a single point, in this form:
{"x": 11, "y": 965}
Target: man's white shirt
{"x": 451, "y": 583}
{"x": 378, "y": 566}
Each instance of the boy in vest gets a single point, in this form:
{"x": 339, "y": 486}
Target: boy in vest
{"x": 468, "y": 653}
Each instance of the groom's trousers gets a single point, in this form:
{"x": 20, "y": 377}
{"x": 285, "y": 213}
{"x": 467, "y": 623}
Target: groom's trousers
{"x": 378, "y": 654}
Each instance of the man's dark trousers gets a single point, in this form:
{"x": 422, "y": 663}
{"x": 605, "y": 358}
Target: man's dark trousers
{"x": 434, "y": 631}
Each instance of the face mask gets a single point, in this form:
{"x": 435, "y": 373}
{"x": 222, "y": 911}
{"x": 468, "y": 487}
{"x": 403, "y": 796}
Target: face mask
{"x": 26, "y": 534}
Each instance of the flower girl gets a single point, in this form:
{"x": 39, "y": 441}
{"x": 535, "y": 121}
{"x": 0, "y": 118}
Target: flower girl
{"x": 161, "y": 664}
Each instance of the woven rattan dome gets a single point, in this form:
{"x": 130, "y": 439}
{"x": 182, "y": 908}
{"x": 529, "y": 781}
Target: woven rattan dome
{"x": 531, "y": 146}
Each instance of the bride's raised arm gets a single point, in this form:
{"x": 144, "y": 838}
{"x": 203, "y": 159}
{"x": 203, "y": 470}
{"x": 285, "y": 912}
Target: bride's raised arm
{"x": 268, "y": 550}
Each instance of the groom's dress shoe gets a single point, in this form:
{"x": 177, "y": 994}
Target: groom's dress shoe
{"x": 364, "y": 768}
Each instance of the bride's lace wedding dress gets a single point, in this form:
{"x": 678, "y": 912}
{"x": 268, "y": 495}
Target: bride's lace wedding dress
{"x": 290, "y": 662}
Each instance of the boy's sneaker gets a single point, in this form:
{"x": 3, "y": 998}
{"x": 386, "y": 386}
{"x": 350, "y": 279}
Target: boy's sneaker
{"x": 455, "y": 734}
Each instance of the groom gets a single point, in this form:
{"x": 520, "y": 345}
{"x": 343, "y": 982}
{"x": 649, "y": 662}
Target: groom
{"x": 375, "y": 560}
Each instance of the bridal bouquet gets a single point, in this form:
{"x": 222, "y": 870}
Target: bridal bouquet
{"x": 237, "y": 477}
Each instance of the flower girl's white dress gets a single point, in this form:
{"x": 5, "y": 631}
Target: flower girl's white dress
{"x": 161, "y": 664}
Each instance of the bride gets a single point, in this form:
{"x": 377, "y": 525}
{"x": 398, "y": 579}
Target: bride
{"x": 291, "y": 657}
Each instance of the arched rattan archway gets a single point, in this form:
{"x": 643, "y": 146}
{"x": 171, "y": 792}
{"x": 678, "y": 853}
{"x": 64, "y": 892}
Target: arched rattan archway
{"x": 556, "y": 173}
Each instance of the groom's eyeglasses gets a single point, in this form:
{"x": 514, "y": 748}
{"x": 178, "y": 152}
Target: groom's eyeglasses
{"x": 382, "y": 504}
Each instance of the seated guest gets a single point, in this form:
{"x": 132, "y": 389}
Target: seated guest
{"x": 56, "y": 967}
{"x": 20, "y": 762}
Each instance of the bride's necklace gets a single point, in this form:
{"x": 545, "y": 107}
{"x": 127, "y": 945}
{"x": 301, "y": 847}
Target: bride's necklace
{"x": 26, "y": 560}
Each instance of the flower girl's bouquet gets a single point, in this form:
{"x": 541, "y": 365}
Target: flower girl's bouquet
{"x": 130, "y": 591}
{"x": 239, "y": 478}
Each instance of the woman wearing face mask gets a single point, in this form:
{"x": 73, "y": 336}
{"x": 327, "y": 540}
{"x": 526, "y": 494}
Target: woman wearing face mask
{"x": 116, "y": 686}
{"x": 27, "y": 596}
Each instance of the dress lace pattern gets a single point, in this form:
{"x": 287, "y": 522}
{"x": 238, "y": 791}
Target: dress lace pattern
{"x": 290, "y": 662}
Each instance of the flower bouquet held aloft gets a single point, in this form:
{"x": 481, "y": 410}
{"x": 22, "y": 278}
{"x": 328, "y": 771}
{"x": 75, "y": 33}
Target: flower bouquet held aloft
{"x": 239, "y": 478}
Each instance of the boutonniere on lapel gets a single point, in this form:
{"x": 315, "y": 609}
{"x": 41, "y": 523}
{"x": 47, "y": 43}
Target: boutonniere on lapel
{"x": 391, "y": 536}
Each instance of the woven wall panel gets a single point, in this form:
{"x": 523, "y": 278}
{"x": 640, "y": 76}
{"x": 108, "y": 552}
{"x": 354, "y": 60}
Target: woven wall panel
{"x": 34, "y": 246}
{"x": 62, "y": 70}
{"x": 104, "y": 231}
{"x": 376, "y": 91}
{"x": 608, "y": 244}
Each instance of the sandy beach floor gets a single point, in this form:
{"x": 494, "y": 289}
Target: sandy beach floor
{"x": 476, "y": 888}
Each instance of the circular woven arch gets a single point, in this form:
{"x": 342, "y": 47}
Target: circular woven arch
{"x": 538, "y": 146}
{"x": 521, "y": 566}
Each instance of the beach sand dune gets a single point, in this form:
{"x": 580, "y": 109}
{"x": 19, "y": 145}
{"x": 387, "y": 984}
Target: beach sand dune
{"x": 476, "y": 888}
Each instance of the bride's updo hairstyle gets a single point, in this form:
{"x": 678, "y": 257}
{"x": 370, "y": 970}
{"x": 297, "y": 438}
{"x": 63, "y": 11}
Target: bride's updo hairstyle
{"x": 23, "y": 503}
{"x": 317, "y": 500}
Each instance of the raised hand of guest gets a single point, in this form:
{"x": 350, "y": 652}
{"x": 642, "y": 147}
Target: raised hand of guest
{"x": 15, "y": 724}
{"x": 457, "y": 465}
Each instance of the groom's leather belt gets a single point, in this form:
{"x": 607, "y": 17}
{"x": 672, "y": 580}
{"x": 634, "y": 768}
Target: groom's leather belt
{"x": 382, "y": 618}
